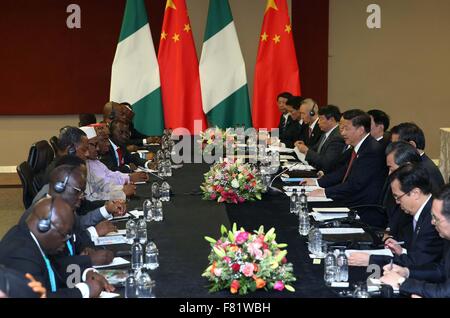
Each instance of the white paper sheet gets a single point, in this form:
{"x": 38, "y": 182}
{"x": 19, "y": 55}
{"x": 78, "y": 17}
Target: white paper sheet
{"x": 110, "y": 240}
{"x": 299, "y": 188}
{"x": 342, "y": 230}
{"x": 117, "y": 261}
{"x": 383, "y": 251}
{"x": 119, "y": 232}
{"x": 331, "y": 210}
{"x": 136, "y": 213}
{"x": 281, "y": 149}
{"x": 104, "y": 294}
{"x": 321, "y": 217}
{"x": 286, "y": 157}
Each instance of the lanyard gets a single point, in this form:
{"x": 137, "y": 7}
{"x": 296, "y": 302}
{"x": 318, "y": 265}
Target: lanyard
{"x": 51, "y": 273}
{"x": 70, "y": 248}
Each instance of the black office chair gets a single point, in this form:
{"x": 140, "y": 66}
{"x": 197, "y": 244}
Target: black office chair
{"x": 54, "y": 144}
{"x": 39, "y": 157}
{"x": 26, "y": 177}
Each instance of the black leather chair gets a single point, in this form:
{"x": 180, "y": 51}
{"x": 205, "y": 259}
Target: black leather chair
{"x": 40, "y": 156}
{"x": 54, "y": 143}
{"x": 26, "y": 177}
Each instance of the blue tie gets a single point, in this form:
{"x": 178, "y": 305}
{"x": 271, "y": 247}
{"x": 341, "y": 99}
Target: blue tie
{"x": 70, "y": 248}
{"x": 51, "y": 274}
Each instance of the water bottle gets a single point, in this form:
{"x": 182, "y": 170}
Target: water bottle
{"x": 136, "y": 255}
{"x": 165, "y": 191}
{"x": 151, "y": 256}
{"x": 142, "y": 230}
{"x": 315, "y": 241}
{"x": 303, "y": 200}
{"x": 130, "y": 231}
{"x": 330, "y": 259}
{"x": 303, "y": 223}
{"x": 167, "y": 168}
{"x": 147, "y": 207}
{"x": 156, "y": 192}
{"x": 145, "y": 285}
{"x": 294, "y": 202}
{"x": 161, "y": 168}
{"x": 342, "y": 263}
{"x": 130, "y": 285}
{"x": 158, "y": 213}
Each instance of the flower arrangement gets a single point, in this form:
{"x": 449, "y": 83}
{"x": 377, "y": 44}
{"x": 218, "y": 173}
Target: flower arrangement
{"x": 232, "y": 182}
{"x": 244, "y": 262}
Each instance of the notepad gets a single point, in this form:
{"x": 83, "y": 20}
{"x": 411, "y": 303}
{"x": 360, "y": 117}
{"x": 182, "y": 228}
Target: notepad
{"x": 341, "y": 230}
{"x": 321, "y": 217}
{"x": 137, "y": 213}
{"x": 117, "y": 261}
{"x": 383, "y": 251}
{"x": 118, "y": 232}
{"x": 110, "y": 240}
{"x": 331, "y": 210}
{"x": 104, "y": 294}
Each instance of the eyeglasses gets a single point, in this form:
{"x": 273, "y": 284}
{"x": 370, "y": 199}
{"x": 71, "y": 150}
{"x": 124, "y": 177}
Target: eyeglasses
{"x": 81, "y": 193}
{"x": 396, "y": 198}
{"x": 65, "y": 236}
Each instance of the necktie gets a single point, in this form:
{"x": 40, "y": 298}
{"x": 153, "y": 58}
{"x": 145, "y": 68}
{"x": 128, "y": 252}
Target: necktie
{"x": 321, "y": 142}
{"x": 414, "y": 224}
{"x": 309, "y": 131}
{"x": 119, "y": 154}
{"x": 51, "y": 274}
{"x": 349, "y": 166}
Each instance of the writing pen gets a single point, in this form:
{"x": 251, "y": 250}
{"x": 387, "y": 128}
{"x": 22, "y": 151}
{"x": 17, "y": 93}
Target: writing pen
{"x": 391, "y": 264}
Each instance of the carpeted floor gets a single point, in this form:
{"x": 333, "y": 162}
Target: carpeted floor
{"x": 11, "y": 207}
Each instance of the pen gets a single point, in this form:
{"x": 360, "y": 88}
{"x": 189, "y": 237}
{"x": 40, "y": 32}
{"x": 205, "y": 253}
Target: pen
{"x": 391, "y": 264}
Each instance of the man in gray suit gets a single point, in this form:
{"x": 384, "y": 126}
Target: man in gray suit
{"x": 324, "y": 154}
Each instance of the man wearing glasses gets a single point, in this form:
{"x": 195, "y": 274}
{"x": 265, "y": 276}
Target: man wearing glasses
{"x": 433, "y": 279}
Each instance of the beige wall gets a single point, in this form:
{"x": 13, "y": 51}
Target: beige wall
{"x": 402, "y": 68}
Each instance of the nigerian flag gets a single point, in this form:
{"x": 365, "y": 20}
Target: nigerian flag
{"x": 135, "y": 71}
{"x": 222, "y": 71}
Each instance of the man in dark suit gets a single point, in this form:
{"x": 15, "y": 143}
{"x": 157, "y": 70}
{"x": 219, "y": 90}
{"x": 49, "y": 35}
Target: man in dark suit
{"x": 413, "y": 134}
{"x": 285, "y": 118}
{"x": 119, "y": 158}
{"x": 136, "y": 138}
{"x": 324, "y": 154}
{"x": 360, "y": 181}
{"x": 433, "y": 279}
{"x": 411, "y": 189}
{"x": 17, "y": 285}
{"x": 31, "y": 248}
{"x": 296, "y": 130}
{"x": 379, "y": 126}
{"x": 309, "y": 112}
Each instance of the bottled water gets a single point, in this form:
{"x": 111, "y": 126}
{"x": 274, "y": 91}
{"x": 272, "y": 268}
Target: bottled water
{"x": 167, "y": 168}
{"x": 315, "y": 241}
{"x": 294, "y": 202}
{"x": 130, "y": 231}
{"x": 142, "y": 230}
{"x": 158, "y": 213}
{"x": 156, "y": 192}
{"x": 161, "y": 168}
{"x": 165, "y": 191}
{"x": 303, "y": 200}
{"x": 136, "y": 255}
{"x": 147, "y": 207}
{"x": 151, "y": 256}
{"x": 145, "y": 285}
{"x": 303, "y": 223}
{"x": 330, "y": 259}
{"x": 342, "y": 263}
{"x": 130, "y": 285}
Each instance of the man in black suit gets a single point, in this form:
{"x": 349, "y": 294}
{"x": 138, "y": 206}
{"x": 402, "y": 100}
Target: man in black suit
{"x": 136, "y": 138}
{"x": 413, "y": 134}
{"x": 379, "y": 126}
{"x": 324, "y": 154}
{"x": 411, "y": 189}
{"x": 309, "y": 112}
{"x": 31, "y": 248}
{"x": 431, "y": 280}
{"x": 296, "y": 130}
{"x": 361, "y": 180}
{"x": 285, "y": 118}
{"x": 17, "y": 285}
{"x": 119, "y": 158}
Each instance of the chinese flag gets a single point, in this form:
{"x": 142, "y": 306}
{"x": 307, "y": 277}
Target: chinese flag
{"x": 276, "y": 68}
{"x": 178, "y": 65}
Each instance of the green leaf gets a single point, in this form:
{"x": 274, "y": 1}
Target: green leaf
{"x": 223, "y": 229}
{"x": 269, "y": 234}
{"x": 234, "y": 229}
{"x": 289, "y": 288}
{"x": 280, "y": 256}
{"x": 282, "y": 245}
{"x": 210, "y": 239}
{"x": 231, "y": 237}
{"x": 219, "y": 252}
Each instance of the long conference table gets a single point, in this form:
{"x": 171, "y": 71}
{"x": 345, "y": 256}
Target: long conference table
{"x": 183, "y": 251}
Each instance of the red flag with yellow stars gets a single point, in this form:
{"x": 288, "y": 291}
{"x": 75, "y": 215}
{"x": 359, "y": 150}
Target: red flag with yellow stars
{"x": 276, "y": 68}
{"x": 178, "y": 66}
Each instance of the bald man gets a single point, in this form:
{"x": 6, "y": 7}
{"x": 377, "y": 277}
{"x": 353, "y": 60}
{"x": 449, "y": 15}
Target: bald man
{"x": 31, "y": 247}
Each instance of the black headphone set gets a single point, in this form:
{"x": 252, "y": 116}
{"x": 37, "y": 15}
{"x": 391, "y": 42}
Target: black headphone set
{"x": 72, "y": 151}
{"x": 312, "y": 113}
{"x": 44, "y": 225}
{"x": 112, "y": 115}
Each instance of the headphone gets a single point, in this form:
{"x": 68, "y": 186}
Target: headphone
{"x": 44, "y": 225}
{"x": 112, "y": 115}
{"x": 71, "y": 150}
{"x": 312, "y": 113}
{"x": 60, "y": 186}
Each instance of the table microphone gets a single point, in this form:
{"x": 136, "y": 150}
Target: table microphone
{"x": 275, "y": 191}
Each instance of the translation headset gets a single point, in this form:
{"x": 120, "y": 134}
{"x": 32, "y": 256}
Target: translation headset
{"x": 44, "y": 225}
{"x": 112, "y": 115}
{"x": 71, "y": 151}
{"x": 60, "y": 186}
{"x": 312, "y": 113}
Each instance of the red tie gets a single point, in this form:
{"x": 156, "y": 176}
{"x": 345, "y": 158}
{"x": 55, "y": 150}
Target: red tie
{"x": 349, "y": 166}
{"x": 119, "y": 154}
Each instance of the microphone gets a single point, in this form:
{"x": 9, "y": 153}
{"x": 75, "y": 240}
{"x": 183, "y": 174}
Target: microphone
{"x": 153, "y": 174}
{"x": 275, "y": 191}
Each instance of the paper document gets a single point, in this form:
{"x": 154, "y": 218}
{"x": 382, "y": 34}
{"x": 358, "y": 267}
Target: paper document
{"x": 139, "y": 169}
{"x": 104, "y": 294}
{"x": 342, "y": 230}
{"x": 140, "y": 182}
{"x": 281, "y": 149}
{"x": 110, "y": 240}
{"x": 300, "y": 156}
{"x": 299, "y": 167}
{"x": 374, "y": 284}
{"x": 321, "y": 217}
{"x": 118, "y": 232}
{"x": 381, "y": 251}
{"x": 312, "y": 199}
{"x": 299, "y": 188}
{"x": 117, "y": 261}
{"x": 286, "y": 157}
{"x": 331, "y": 210}
{"x": 125, "y": 216}
{"x": 136, "y": 213}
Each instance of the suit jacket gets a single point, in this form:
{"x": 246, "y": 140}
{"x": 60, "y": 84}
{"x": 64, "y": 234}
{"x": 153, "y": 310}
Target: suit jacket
{"x": 316, "y": 133}
{"x": 111, "y": 162}
{"x": 386, "y": 140}
{"x": 364, "y": 182}
{"x": 18, "y": 250}
{"x": 293, "y": 131}
{"x": 282, "y": 126}
{"x": 329, "y": 153}
{"x": 430, "y": 280}
{"x": 14, "y": 284}
{"x": 437, "y": 181}
{"x": 424, "y": 245}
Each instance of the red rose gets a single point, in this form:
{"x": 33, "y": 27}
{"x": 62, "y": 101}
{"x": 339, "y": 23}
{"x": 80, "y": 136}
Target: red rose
{"x": 235, "y": 267}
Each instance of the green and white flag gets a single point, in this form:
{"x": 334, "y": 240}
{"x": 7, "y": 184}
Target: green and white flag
{"x": 222, "y": 71}
{"x": 135, "y": 71}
